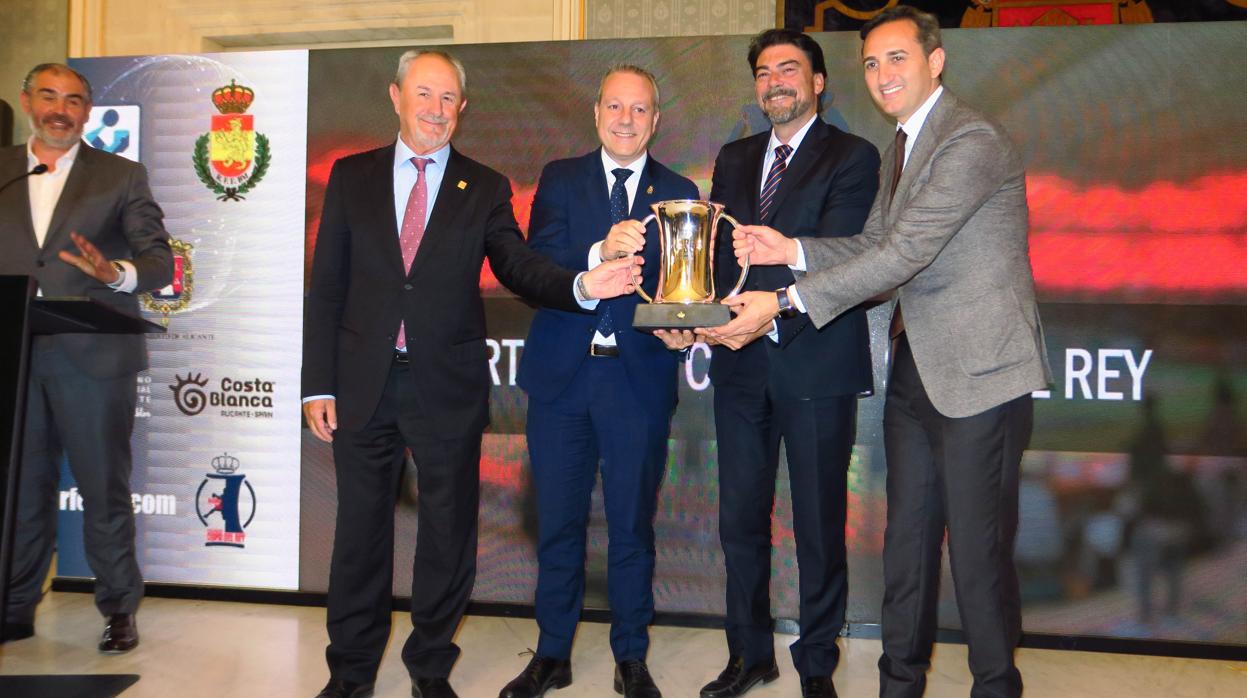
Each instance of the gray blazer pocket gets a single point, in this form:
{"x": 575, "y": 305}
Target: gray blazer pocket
{"x": 997, "y": 336}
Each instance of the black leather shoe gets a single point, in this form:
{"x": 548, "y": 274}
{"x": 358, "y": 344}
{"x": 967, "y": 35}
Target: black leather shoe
{"x": 541, "y": 674}
{"x": 17, "y": 631}
{"x": 121, "y": 634}
{"x": 817, "y": 687}
{"x": 632, "y": 680}
{"x": 735, "y": 679}
{"x": 337, "y": 688}
{"x": 432, "y": 688}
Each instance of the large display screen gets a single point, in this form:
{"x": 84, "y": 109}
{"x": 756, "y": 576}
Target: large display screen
{"x": 1133, "y": 496}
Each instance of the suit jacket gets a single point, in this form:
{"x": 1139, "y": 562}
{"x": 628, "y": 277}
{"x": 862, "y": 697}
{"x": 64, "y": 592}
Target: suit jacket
{"x": 107, "y": 200}
{"x": 359, "y": 291}
{"x": 953, "y": 239}
{"x": 571, "y": 212}
{"x": 826, "y": 191}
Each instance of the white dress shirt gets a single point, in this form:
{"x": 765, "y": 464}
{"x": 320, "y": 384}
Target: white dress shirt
{"x": 595, "y": 250}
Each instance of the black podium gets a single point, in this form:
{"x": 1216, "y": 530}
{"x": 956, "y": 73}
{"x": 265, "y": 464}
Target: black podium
{"x": 29, "y": 316}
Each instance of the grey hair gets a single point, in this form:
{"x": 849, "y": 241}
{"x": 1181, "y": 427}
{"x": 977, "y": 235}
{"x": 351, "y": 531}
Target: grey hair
{"x": 404, "y": 63}
{"x": 55, "y": 68}
{"x": 635, "y": 70}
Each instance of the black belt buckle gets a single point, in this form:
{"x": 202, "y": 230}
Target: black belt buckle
{"x": 400, "y": 357}
{"x": 604, "y": 351}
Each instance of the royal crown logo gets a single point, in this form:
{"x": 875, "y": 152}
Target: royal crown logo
{"x": 222, "y": 501}
{"x": 232, "y": 158}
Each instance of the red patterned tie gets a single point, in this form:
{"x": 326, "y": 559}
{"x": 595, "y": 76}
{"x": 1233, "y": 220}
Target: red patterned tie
{"x": 413, "y": 229}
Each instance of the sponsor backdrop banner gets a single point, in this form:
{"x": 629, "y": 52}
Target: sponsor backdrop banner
{"x": 216, "y": 440}
{"x": 1133, "y": 495}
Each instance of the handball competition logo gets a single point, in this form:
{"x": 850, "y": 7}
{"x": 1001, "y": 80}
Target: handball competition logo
{"x": 231, "y": 158}
{"x": 175, "y": 297}
{"x": 220, "y": 502}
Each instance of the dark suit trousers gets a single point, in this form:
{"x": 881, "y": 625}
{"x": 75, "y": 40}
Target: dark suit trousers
{"x": 597, "y": 417}
{"x": 89, "y": 420}
{"x": 369, "y": 466}
{"x": 961, "y": 474}
{"x": 818, "y": 438}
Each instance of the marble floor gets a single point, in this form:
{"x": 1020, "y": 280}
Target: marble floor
{"x": 208, "y": 648}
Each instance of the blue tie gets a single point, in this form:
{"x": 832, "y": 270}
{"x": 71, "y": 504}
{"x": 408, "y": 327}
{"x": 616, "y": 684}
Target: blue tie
{"x": 619, "y": 212}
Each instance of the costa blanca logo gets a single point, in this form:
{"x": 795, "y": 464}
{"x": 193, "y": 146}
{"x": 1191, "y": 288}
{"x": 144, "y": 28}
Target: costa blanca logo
{"x": 175, "y": 297}
{"x": 252, "y": 397}
{"x": 232, "y": 158}
{"x": 220, "y": 502}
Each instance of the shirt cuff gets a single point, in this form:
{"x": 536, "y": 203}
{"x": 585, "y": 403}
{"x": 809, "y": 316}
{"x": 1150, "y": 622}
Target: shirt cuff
{"x": 129, "y": 279}
{"x": 595, "y": 254}
{"x": 318, "y": 397}
{"x": 587, "y": 304}
{"x": 774, "y": 333}
{"x": 800, "y": 265}
{"x": 796, "y": 298}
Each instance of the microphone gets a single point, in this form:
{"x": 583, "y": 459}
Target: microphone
{"x": 36, "y": 170}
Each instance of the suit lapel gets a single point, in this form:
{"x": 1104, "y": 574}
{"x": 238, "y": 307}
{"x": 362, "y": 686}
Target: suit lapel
{"x": 71, "y": 196}
{"x": 755, "y": 160}
{"x": 452, "y": 196}
{"x": 645, "y": 191}
{"x": 924, "y": 148}
{"x": 801, "y": 161}
{"x": 382, "y": 204}
{"x": 19, "y": 192}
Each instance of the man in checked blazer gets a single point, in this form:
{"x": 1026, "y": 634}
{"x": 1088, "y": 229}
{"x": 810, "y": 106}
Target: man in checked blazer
{"x": 968, "y": 351}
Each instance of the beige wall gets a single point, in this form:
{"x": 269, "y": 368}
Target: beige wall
{"x": 136, "y": 27}
{"x": 31, "y": 32}
{"x": 618, "y": 19}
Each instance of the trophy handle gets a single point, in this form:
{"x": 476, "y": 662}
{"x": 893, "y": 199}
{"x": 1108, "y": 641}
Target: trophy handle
{"x": 744, "y": 268}
{"x": 640, "y": 291}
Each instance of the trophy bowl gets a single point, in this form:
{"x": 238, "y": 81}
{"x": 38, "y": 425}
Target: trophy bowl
{"x": 685, "y": 297}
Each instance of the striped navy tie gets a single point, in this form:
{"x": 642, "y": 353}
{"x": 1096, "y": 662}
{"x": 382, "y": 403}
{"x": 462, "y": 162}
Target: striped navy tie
{"x": 772, "y": 180}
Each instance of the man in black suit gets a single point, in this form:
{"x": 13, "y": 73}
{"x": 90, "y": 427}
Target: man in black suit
{"x": 803, "y": 177}
{"x": 86, "y": 226}
{"x": 394, "y": 347}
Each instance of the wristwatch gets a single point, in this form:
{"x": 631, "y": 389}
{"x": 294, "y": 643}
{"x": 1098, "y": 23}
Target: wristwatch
{"x": 786, "y": 308}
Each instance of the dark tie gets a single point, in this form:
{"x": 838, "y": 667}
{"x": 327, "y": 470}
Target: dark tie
{"x": 412, "y": 232}
{"x": 898, "y": 323}
{"x": 772, "y": 179}
{"x": 619, "y": 212}
{"x": 900, "y": 161}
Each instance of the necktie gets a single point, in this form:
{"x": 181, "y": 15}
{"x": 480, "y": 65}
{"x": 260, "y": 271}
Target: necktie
{"x": 412, "y": 232}
{"x": 619, "y": 211}
{"x": 898, "y": 323}
{"x": 900, "y": 161}
{"x": 772, "y": 179}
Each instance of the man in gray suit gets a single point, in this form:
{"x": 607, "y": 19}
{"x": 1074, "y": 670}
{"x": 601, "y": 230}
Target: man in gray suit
{"x": 948, "y": 232}
{"x": 83, "y": 223}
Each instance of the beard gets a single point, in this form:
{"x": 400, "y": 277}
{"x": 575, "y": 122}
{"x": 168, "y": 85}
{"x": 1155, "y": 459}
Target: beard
{"x": 39, "y": 128}
{"x": 778, "y": 115}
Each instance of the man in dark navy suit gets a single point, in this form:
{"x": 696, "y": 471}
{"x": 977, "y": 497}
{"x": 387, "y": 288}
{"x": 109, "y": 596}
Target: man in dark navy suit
{"x": 598, "y": 390}
{"x": 789, "y": 381}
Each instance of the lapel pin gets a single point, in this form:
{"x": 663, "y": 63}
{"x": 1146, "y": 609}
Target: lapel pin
{"x": 649, "y": 189}
{"x": 463, "y": 184}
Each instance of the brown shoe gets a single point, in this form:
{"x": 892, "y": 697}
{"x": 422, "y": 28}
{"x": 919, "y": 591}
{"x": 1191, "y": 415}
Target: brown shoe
{"x": 121, "y": 634}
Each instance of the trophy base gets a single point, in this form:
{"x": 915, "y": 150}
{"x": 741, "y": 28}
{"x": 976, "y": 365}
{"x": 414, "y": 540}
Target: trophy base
{"x": 678, "y": 316}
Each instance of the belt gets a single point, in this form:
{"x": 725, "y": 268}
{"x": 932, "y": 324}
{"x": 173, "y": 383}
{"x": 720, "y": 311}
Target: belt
{"x": 400, "y": 357}
{"x": 609, "y": 351}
